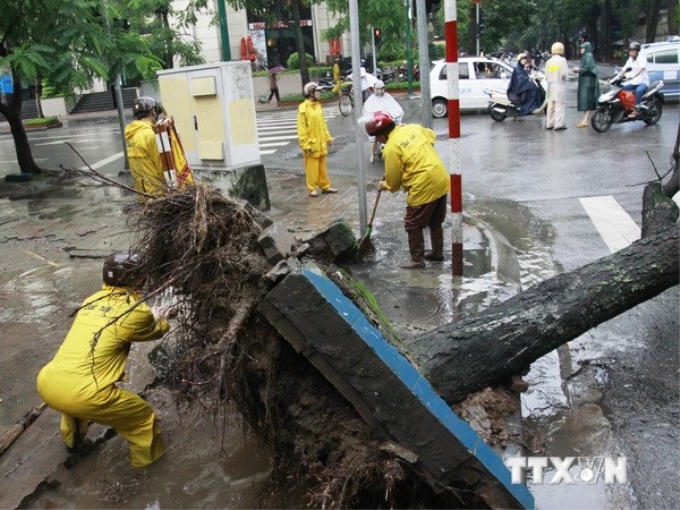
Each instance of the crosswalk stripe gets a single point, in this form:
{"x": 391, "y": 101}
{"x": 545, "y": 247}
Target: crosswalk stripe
{"x": 614, "y": 224}
{"x": 275, "y": 144}
{"x": 279, "y": 130}
{"x": 283, "y": 137}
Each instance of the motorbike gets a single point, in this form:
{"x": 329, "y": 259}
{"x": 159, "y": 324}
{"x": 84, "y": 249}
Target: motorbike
{"x": 325, "y": 84}
{"x": 616, "y": 105}
{"x": 501, "y": 107}
{"x": 403, "y": 73}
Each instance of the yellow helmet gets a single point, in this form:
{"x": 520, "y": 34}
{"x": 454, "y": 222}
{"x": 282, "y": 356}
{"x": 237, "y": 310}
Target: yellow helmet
{"x": 557, "y": 48}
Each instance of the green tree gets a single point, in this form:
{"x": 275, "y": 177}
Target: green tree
{"x": 169, "y": 42}
{"x": 388, "y": 15}
{"x": 69, "y": 43}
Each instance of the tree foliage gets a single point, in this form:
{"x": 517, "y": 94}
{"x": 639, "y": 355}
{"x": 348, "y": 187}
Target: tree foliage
{"x": 526, "y": 24}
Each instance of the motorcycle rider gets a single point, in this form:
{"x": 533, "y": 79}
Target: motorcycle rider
{"x": 382, "y": 101}
{"x": 635, "y": 72}
{"x": 522, "y": 89}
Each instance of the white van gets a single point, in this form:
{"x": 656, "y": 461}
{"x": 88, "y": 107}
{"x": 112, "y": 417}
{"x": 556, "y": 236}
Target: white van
{"x": 663, "y": 63}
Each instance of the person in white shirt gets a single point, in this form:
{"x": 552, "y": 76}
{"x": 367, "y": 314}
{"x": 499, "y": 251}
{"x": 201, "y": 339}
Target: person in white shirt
{"x": 635, "y": 72}
{"x": 556, "y": 71}
{"x": 367, "y": 83}
{"x": 382, "y": 101}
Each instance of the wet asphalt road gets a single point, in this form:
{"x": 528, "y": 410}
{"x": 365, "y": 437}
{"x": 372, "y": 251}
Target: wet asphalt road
{"x": 529, "y": 184}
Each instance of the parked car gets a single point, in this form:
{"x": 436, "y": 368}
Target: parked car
{"x": 474, "y": 74}
{"x": 663, "y": 63}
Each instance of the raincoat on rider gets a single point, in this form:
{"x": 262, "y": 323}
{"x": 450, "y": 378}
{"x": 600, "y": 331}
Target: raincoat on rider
{"x": 524, "y": 91}
{"x": 81, "y": 380}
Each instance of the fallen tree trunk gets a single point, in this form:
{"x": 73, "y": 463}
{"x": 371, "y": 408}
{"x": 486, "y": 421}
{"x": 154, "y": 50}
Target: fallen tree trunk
{"x": 504, "y": 340}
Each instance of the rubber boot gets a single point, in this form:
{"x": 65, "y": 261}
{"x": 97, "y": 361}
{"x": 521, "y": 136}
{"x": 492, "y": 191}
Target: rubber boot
{"x": 437, "y": 239}
{"x": 416, "y": 245}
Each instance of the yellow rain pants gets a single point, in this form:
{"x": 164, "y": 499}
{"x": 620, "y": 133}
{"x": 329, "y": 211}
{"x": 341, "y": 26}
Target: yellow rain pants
{"x": 80, "y": 381}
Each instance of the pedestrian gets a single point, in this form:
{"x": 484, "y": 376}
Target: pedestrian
{"x": 82, "y": 379}
{"x": 337, "y": 77}
{"x": 635, "y": 72}
{"x": 556, "y": 71}
{"x": 142, "y": 151}
{"x": 382, "y": 101}
{"x": 588, "y": 84}
{"x": 412, "y": 163}
{"x": 314, "y": 137}
{"x": 273, "y": 88}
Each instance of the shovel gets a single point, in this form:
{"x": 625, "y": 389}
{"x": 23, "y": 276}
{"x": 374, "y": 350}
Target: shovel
{"x": 365, "y": 244}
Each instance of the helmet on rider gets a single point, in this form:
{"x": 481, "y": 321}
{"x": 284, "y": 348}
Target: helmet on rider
{"x": 122, "y": 270}
{"x": 310, "y": 88}
{"x": 378, "y": 123}
{"x": 557, "y": 48}
{"x": 521, "y": 56}
{"x": 143, "y": 106}
{"x": 634, "y": 46}
{"x": 379, "y": 88}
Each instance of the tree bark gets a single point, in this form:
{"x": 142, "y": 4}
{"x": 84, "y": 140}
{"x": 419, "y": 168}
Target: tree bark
{"x": 672, "y": 15}
{"x": 486, "y": 349}
{"x": 12, "y": 112}
{"x": 300, "y": 42}
{"x": 653, "y": 8}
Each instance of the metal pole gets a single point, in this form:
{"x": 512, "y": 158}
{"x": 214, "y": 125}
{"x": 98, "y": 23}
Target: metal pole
{"x": 375, "y": 65}
{"x": 121, "y": 118}
{"x": 358, "y": 109}
{"x": 224, "y": 30}
{"x": 451, "y": 32}
{"x": 477, "y": 25}
{"x": 409, "y": 58}
{"x": 118, "y": 95}
{"x": 424, "y": 59}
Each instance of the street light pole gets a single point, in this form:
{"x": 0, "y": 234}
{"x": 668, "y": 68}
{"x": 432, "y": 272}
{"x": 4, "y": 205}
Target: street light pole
{"x": 118, "y": 95}
{"x": 409, "y": 58}
{"x": 358, "y": 109}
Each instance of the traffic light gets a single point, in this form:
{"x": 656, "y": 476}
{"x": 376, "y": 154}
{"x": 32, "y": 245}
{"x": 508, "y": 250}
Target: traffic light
{"x": 376, "y": 35}
{"x": 481, "y": 25}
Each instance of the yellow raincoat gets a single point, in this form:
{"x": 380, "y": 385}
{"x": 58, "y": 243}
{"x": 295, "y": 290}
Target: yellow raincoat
{"x": 81, "y": 383}
{"x": 144, "y": 158}
{"x": 314, "y": 137}
{"x": 412, "y": 162}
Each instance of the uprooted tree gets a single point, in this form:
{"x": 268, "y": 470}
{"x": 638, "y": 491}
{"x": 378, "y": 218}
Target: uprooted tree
{"x": 205, "y": 248}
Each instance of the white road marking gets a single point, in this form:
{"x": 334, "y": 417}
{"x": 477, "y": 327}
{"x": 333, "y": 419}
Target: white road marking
{"x": 274, "y": 144}
{"x": 617, "y": 228}
{"x": 104, "y": 161}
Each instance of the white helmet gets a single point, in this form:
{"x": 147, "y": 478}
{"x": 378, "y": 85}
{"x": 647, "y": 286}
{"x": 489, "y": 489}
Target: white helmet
{"x": 310, "y": 88}
{"x": 379, "y": 84}
{"x": 557, "y": 48}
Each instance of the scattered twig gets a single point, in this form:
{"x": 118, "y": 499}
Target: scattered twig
{"x": 114, "y": 182}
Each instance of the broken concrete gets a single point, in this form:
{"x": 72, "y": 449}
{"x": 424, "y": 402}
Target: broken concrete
{"x": 313, "y": 314}
{"x": 277, "y": 243}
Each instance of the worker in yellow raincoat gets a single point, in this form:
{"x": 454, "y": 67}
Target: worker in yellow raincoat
{"x": 80, "y": 381}
{"x": 142, "y": 150}
{"x": 412, "y": 163}
{"x": 314, "y": 137}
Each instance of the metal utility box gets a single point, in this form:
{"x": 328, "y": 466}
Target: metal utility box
{"x": 214, "y": 111}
